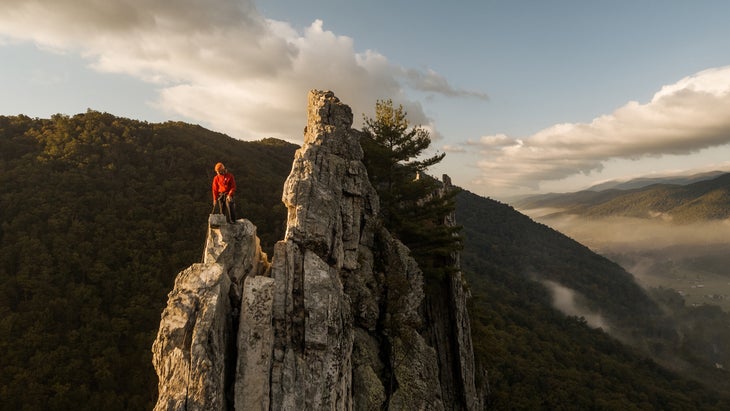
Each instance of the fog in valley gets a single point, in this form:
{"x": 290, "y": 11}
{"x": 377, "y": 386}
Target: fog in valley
{"x": 568, "y": 301}
{"x": 693, "y": 259}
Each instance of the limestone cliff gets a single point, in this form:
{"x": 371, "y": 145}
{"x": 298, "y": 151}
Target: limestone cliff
{"x": 196, "y": 346}
{"x": 449, "y": 330}
{"x": 335, "y": 321}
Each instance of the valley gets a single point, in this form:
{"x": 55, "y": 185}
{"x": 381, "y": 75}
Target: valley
{"x": 672, "y": 233}
{"x": 702, "y": 278}
{"x": 692, "y": 260}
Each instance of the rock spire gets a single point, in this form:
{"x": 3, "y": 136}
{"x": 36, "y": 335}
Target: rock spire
{"x": 332, "y": 322}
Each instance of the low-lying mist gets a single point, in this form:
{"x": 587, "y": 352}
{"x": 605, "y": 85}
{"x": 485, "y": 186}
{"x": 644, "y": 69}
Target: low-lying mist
{"x": 621, "y": 234}
{"x": 567, "y": 301}
{"x": 692, "y": 259}
{"x": 691, "y": 335}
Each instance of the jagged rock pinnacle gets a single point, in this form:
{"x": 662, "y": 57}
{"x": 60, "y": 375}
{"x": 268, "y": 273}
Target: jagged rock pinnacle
{"x": 332, "y": 322}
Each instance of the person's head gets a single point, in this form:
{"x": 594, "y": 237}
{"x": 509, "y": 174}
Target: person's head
{"x": 220, "y": 168}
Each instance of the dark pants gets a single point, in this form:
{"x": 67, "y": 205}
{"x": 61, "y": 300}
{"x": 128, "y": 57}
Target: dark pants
{"x": 227, "y": 207}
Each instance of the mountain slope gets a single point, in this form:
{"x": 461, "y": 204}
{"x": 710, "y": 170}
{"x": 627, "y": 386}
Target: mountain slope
{"x": 538, "y": 358}
{"x": 647, "y": 181}
{"x": 98, "y": 214}
{"x": 703, "y": 200}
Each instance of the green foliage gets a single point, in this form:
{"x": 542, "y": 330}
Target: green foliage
{"x": 537, "y": 358}
{"x": 402, "y": 143}
{"x": 414, "y": 206}
{"x": 391, "y": 148}
{"x": 432, "y": 242}
{"x": 97, "y": 215}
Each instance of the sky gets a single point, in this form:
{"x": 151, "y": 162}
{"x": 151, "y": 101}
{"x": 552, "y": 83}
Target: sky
{"x": 522, "y": 96}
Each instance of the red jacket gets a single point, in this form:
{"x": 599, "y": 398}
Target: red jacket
{"x": 223, "y": 183}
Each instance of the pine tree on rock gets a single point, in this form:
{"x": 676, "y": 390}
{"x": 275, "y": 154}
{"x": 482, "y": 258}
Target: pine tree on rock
{"x": 411, "y": 206}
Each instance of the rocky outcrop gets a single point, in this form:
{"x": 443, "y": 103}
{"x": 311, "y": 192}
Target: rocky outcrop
{"x": 312, "y": 319}
{"x": 333, "y": 322}
{"x": 196, "y": 342}
{"x": 449, "y": 330}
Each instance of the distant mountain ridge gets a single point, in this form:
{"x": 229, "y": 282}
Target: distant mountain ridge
{"x": 706, "y": 199}
{"x": 647, "y": 181}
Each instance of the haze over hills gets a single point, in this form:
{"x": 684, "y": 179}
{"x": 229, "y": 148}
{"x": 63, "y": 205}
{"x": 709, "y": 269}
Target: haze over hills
{"x": 600, "y": 192}
{"x": 647, "y": 181}
{"x": 578, "y": 281}
{"x": 667, "y": 235}
{"x": 706, "y": 199}
{"x": 110, "y": 209}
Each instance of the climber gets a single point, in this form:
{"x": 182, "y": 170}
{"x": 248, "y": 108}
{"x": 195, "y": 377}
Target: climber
{"x": 224, "y": 186}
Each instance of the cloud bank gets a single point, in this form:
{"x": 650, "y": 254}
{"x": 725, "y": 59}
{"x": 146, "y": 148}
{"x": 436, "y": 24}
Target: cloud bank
{"x": 681, "y": 118}
{"x": 220, "y": 61}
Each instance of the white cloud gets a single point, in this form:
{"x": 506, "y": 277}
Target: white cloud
{"x": 221, "y": 62}
{"x": 453, "y": 148}
{"x": 682, "y": 118}
{"x": 494, "y": 143}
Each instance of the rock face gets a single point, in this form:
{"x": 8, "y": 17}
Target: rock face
{"x": 333, "y": 322}
{"x": 196, "y": 341}
{"x": 449, "y": 331}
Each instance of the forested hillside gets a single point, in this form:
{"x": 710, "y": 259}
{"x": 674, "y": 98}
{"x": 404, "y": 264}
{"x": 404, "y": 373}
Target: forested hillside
{"x": 698, "y": 201}
{"x": 540, "y": 359}
{"x": 99, "y": 213}
{"x": 640, "y": 182}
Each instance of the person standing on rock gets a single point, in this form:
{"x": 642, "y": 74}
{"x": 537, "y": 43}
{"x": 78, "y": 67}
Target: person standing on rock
{"x": 224, "y": 186}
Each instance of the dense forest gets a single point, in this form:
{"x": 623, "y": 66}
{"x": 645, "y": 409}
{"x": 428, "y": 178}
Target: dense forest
{"x": 538, "y": 358}
{"x": 99, "y": 213}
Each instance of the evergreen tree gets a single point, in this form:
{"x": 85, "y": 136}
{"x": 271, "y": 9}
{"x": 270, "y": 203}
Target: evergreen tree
{"x": 413, "y": 205}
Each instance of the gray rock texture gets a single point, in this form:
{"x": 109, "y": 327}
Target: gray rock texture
{"x": 449, "y": 332}
{"x": 190, "y": 349}
{"x": 195, "y": 344}
{"x": 332, "y": 322}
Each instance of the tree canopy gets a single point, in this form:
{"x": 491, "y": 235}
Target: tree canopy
{"x": 97, "y": 216}
{"x": 414, "y": 205}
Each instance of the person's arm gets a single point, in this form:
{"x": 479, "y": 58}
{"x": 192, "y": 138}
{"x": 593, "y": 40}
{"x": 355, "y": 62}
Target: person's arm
{"x": 233, "y": 186}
